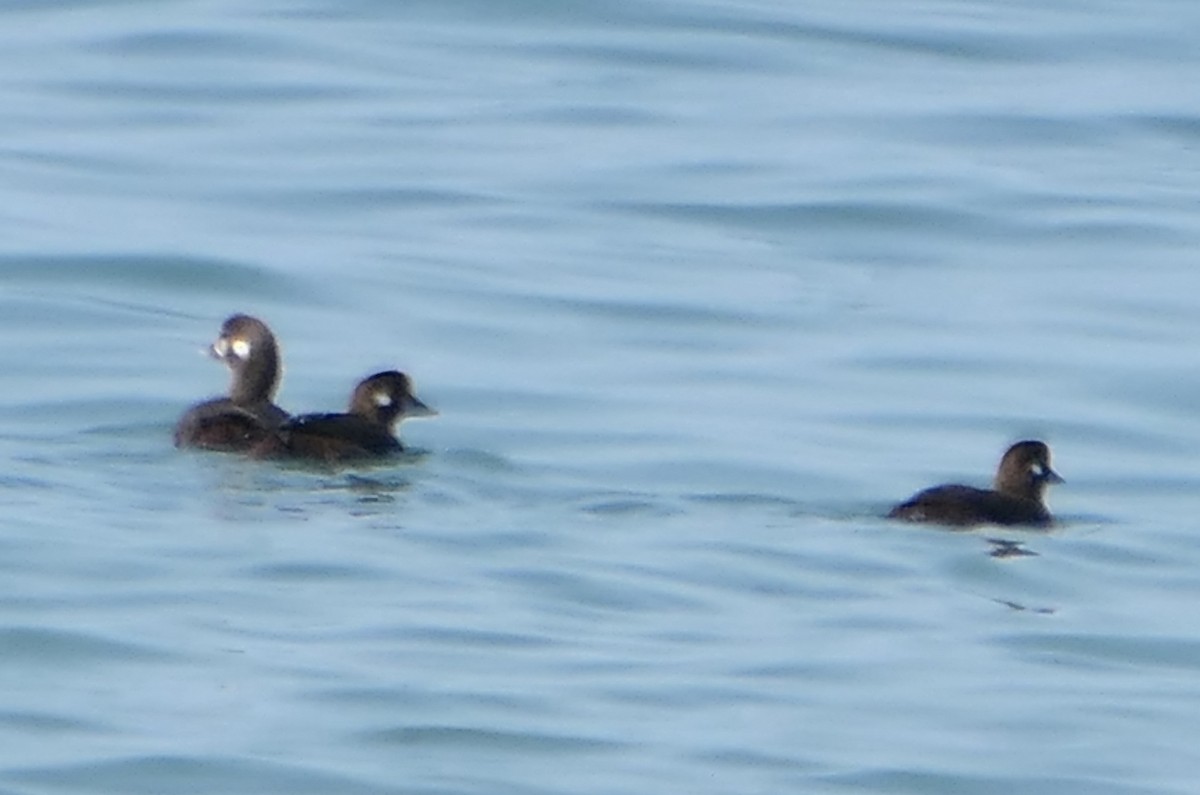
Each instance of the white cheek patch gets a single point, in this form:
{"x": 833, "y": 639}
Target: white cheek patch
{"x": 241, "y": 349}
{"x": 382, "y": 399}
{"x": 1038, "y": 470}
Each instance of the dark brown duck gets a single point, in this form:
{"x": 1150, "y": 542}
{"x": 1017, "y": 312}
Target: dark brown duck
{"x": 247, "y": 416}
{"x": 1017, "y": 496}
{"x": 367, "y": 430}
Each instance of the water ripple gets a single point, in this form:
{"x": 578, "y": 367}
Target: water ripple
{"x": 473, "y": 739}
{"x": 176, "y": 773}
{"x": 43, "y": 646}
{"x": 137, "y": 273}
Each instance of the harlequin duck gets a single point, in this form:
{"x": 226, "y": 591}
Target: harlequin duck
{"x": 247, "y": 416}
{"x": 1017, "y": 496}
{"x": 376, "y": 405}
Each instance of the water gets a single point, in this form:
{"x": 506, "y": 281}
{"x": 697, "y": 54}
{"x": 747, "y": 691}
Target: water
{"x": 699, "y": 288}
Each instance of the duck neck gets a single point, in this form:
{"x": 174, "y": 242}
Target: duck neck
{"x": 258, "y": 379}
{"x": 1024, "y": 487}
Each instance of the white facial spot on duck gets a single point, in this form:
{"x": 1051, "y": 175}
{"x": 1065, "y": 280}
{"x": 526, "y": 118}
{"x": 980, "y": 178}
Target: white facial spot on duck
{"x": 241, "y": 348}
{"x": 1037, "y": 470}
{"x": 382, "y": 399}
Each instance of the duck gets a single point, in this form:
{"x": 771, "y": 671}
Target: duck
{"x": 248, "y": 414}
{"x": 1017, "y": 496}
{"x": 366, "y": 430}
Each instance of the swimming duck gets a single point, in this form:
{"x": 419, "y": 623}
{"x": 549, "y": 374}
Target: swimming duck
{"x": 247, "y": 416}
{"x": 1016, "y": 498}
{"x": 377, "y": 403}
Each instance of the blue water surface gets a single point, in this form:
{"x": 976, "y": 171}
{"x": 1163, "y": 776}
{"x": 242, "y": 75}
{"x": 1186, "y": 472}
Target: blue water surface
{"x": 699, "y": 288}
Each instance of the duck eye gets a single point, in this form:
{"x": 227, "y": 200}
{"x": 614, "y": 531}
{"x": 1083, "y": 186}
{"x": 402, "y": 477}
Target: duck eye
{"x": 241, "y": 349}
{"x": 382, "y": 399}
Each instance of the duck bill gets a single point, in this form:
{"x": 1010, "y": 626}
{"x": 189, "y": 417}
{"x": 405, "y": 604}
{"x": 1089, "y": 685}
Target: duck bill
{"x": 1052, "y": 477}
{"x": 219, "y": 350}
{"x": 415, "y": 408}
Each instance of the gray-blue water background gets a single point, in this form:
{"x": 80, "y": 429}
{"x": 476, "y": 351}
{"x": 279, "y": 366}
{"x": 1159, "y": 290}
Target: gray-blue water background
{"x": 699, "y": 288}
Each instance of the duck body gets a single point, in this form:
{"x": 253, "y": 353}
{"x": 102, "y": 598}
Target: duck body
{"x": 221, "y": 424}
{"x": 328, "y": 437}
{"x": 955, "y": 504}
